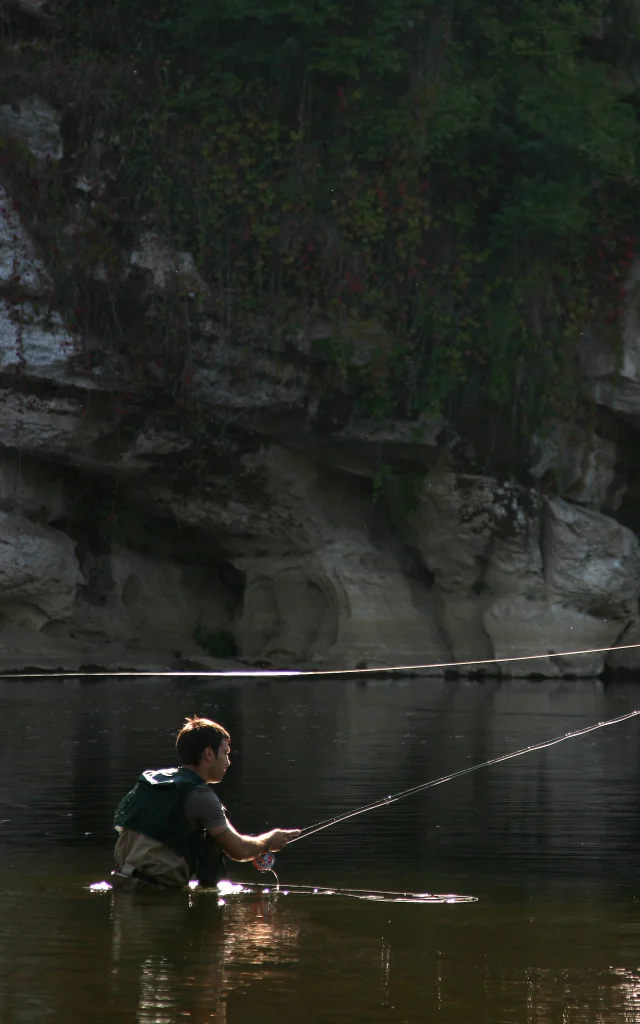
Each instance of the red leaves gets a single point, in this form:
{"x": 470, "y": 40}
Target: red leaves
{"x": 353, "y": 283}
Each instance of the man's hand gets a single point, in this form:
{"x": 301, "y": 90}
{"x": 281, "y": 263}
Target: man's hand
{"x": 279, "y": 838}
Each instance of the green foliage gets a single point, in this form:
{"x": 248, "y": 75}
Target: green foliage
{"x": 218, "y": 643}
{"x": 462, "y": 174}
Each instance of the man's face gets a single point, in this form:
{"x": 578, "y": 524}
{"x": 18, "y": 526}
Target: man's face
{"x": 217, "y": 764}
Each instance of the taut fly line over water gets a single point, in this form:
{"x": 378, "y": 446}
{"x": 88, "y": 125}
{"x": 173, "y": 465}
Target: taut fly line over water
{"x": 288, "y": 673}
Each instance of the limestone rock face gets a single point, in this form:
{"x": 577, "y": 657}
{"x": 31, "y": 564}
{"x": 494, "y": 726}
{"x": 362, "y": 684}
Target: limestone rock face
{"x": 35, "y": 345}
{"x": 273, "y": 493}
{"x": 628, "y": 660}
{"x": 19, "y": 263}
{"x": 34, "y": 340}
{"x": 343, "y": 597}
{"x": 31, "y": 489}
{"x": 36, "y": 124}
{"x": 583, "y": 467}
{"x": 613, "y": 373}
{"x": 518, "y": 627}
{"x": 61, "y": 429}
{"x": 224, "y": 377}
{"x": 345, "y": 606}
{"x": 39, "y": 573}
{"x": 289, "y": 611}
{"x": 134, "y": 598}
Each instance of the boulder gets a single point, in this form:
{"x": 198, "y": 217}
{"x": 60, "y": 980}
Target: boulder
{"x": 592, "y": 562}
{"x": 480, "y": 540}
{"x": 452, "y": 526}
{"x": 514, "y": 559}
{"x": 39, "y": 573}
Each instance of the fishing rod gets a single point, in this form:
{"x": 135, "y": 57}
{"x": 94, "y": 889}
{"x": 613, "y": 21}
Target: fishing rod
{"x": 266, "y": 861}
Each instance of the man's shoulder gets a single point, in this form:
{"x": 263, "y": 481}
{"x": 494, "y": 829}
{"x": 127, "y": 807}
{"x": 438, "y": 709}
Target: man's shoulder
{"x": 204, "y": 796}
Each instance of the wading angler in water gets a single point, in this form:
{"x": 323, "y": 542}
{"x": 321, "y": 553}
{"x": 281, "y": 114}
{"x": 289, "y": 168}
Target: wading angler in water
{"x": 172, "y": 825}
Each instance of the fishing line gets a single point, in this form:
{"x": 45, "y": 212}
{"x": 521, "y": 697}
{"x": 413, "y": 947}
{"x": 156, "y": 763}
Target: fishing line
{"x": 374, "y": 895}
{"x": 287, "y": 673}
{"x": 226, "y": 889}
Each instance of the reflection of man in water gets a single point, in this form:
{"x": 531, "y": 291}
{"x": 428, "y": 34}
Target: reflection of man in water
{"x": 172, "y": 825}
{"x": 183, "y": 957}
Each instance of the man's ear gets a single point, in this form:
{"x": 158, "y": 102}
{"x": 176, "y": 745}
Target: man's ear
{"x": 207, "y": 754}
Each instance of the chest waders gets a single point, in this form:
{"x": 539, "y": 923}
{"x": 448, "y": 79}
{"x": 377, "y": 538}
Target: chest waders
{"x": 155, "y": 808}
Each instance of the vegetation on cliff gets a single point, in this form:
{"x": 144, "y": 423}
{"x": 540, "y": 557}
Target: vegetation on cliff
{"x": 464, "y": 174}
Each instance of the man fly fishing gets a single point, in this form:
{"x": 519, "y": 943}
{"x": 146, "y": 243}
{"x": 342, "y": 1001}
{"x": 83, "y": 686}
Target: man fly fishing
{"x": 172, "y": 826}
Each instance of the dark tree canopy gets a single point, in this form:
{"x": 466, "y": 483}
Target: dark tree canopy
{"x": 462, "y": 173}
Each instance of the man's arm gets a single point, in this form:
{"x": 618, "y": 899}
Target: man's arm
{"x": 242, "y": 848}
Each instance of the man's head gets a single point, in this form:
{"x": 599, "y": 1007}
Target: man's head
{"x": 204, "y": 745}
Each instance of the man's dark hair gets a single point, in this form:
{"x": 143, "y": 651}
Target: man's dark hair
{"x": 196, "y": 735}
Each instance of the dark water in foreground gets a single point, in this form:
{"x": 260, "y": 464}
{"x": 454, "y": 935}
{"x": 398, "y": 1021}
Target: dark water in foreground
{"x": 549, "y": 843}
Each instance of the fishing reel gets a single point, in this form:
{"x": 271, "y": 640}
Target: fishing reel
{"x": 265, "y": 861}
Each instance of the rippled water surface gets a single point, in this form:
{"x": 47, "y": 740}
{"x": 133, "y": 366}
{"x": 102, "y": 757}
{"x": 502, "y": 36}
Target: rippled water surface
{"x": 548, "y": 843}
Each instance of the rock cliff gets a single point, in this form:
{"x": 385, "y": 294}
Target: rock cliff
{"x": 264, "y": 515}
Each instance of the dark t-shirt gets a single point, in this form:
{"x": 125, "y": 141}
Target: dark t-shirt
{"x": 203, "y": 810}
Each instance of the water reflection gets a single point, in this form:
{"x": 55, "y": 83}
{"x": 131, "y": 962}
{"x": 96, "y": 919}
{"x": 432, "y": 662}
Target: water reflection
{"x": 201, "y": 952}
{"x": 549, "y": 843}
{"x": 630, "y": 990}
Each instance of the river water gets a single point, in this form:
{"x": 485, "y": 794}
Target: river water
{"x": 549, "y": 844}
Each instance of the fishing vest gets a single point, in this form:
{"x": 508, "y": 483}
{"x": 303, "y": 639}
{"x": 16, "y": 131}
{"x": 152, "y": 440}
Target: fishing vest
{"x": 154, "y": 807}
